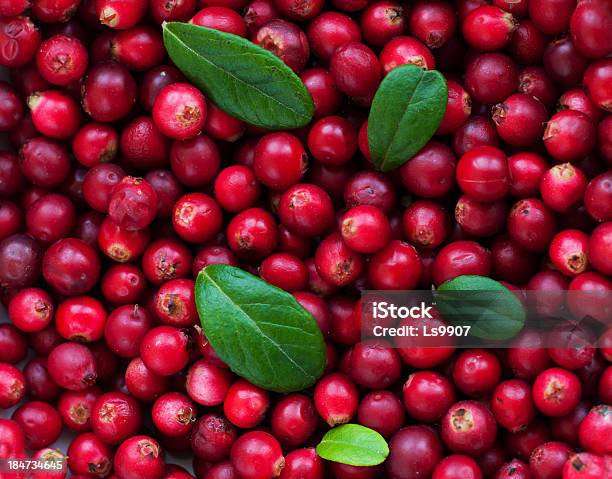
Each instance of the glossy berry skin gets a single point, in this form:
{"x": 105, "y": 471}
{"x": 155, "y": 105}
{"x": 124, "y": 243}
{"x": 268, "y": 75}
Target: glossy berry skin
{"x": 109, "y": 92}
{"x": 568, "y": 252}
{"x": 427, "y": 395}
{"x": 336, "y": 263}
{"x": 179, "y": 111}
{"x": 119, "y": 14}
{"x": 425, "y": 224}
{"x": 381, "y": 21}
{"x": 23, "y": 36}
{"x": 280, "y": 160}
{"x": 80, "y": 318}
{"x": 95, "y": 143}
{"x": 72, "y": 366}
{"x": 87, "y": 454}
{"x": 460, "y": 258}
{"x": 488, "y": 28}
{"x": 220, "y": 18}
{"x": 31, "y": 310}
{"x": 207, "y": 383}
{"x": 166, "y": 259}
{"x": 512, "y": 405}
{"x": 382, "y": 411}
{"x": 406, "y": 51}
{"x": 546, "y": 461}
{"x": 257, "y": 455}
{"x": 62, "y": 60}
{"x": 414, "y": 452}
{"x": 432, "y": 22}
{"x": 332, "y": 140}
{"x": 370, "y": 188}
{"x": 336, "y": 399}
{"x": 303, "y": 463}
{"x": 120, "y": 245}
{"x": 174, "y": 303}
{"x": 469, "y": 428}
{"x": 195, "y": 162}
{"x": 556, "y": 392}
{"x": 586, "y": 466}
{"x": 306, "y": 210}
{"x": 174, "y": 414}
{"x": 562, "y": 187}
{"x": 597, "y": 197}
{"x": 396, "y": 266}
{"x": 458, "y": 107}
{"x": 431, "y": 172}
{"x": 476, "y": 372}
{"x": 569, "y": 135}
{"x": 115, "y": 417}
{"x": 355, "y": 69}
{"x": 482, "y": 173}
{"x": 71, "y": 266}
{"x": 365, "y": 229}
{"x": 125, "y": 327}
{"x": 325, "y": 95}
{"x": 594, "y": 429}
{"x": 139, "y": 456}
{"x": 222, "y": 126}
{"x": 600, "y": 242}
{"x": 491, "y": 78}
{"x": 457, "y": 465}
{"x": 236, "y": 188}
{"x": 252, "y": 234}
{"x": 374, "y": 364}
{"x": 44, "y": 162}
{"x": 596, "y": 82}
{"x": 286, "y": 271}
{"x": 245, "y": 404}
{"x": 286, "y": 40}
{"x": 12, "y": 386}
{"x": 588, "y": 34}
{"x": 133, "y": 204}
{"x": 531, "y": 224}
{"x": 294, "y": 419}
{"x": 162, "y": 343}
{"x": 197, "y": 217}
{"x": 55, "y": 114}
{"x": 40, "y": 422}
{"x": 329, "y": 31}
{"x": 520, "y": 119}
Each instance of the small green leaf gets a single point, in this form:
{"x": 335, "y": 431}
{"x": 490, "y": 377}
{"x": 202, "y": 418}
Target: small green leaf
{"x": 243, "y": 79}
{"x": 259, "y": 330}
{"x": 354, "y": 445}
{"x": 493, "y": 311}
{"x": 406, "y": 112}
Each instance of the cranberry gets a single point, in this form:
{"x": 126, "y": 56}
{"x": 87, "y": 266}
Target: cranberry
{"x": 520, "y": 119}
{"x": 431, "y": 172}
{"x": 299, "y": 11}
{"x": 75, "y": 408}
{"x": 20, "y": 261}
{"x": 220, "y": 18}
{"x": 491, "y": 78}
{"x": 280, "y": 160}
{"x": 141, "y": 383}
{"x": 336, "y": 399}
{"x": 531, "y": 224}
{"x": 80, "y": 318}
{"x": 143, "y": 145}
{"x": 212, "y": 438}
{"x": 236, "y": 188}
{"x": 122, "y": 284}
{"x": 88, "y": 455}
{"x": 72, "y": 366}
{"x": 425, "y": 224}
{"x": 302, "y": 464}
{"x": 370, "y": 188}
{"x": 414, "y": 452}
{"x": 585, "y": 465}
{"x": 556, "y": 392}
{"x": 406, "y": 51}
{"x": 588, "y": 34}
{"x": 11, "y": 178}
{"x": 62, "y": 60}
{"x": 164, "y": 350}
{"x": 11, "y": 219}
{"x": 355, "y": 69}
{"x": 322, "y": 89}
{"x": 285, "y": 271}
{"x": 600, "y": 242}
{"x": 286, "y": 40}
{"x": 31, "y": 310}
{"x": 109, "y": 92}
{"x": 257, "y": 13}
{"x": 257, "y": 455}
{"x": 563, "y": 62}
{"x": 12, "y": 8}
{"x": 381, "y": 21}
{"x": 374, "y": 364}
{"x": 155, "y": 80}
{"x": 95, "y": 143}
{"x": 482, "y": 173}
{"x": 329, "y": 31}
{"x": 336, "y": 263}
{"x": 365, "y": 229}
{"x": 563, "y": 187}
{"x": 457, "y": 465}
{"x": 318, "y": 308}
{"x": 12, "y": 385}
{"x": 12, "y": 439}
{"x": 179, "y": 111}
{"x": 596, "y": 83}
{"x": 589, "y": 298}
{"x": 488, "y": 28}
{"x": 527, "y": 43}
{"x": 121, "y": 245}
{"x": 197, "y": 217}
{"x": 332, "y": 140}
{"x": 40, "y": 422}
{"x": 568, "y": 252}
{"x": 133, "y": 204}
{"x": 13, "y": 346}
{"x": 594, "y": 429}
{"x": 71, "y": 266}
{"x": 458, "y": 109}
{"x": 294, "y": 419}
{"x": 195, "y": 162}
{"x": 432, "y": 22}
{"x": 139, "y": 456}
{"x": 222, "y": 126}
{"x": 597, "y": 197}
{"x": 512, "y": 404}
{"x": 515, "y": 469}
{"x": 44, "y": 162}
{"x": 174, "y": 414}
{"x": 252, "y": 234}
{"x": 213, "y": 255}
{"x": 208, "y": 383}
{"x": 119, "y": 14}
{"x": 245, "y": 404}
{"x": 306, "y": 210}
{"x": 172, "y": 11}
{"x": 551, "y": 16}
{"x": 99, "y": 183}
{"x": 19, "y": 41}
{"x": 546, "y": 461}
{"x": 469, "y": 428}
{"x": 461, "y": 258}
{"x": 476, "y": 372}
{"x": 577, "y": 99}
{"x": 428, "y": 395}
{"x": 139, "y": 48}
{"x": 569, "y": 135}
{"x": 510, "y": 262}
{"x": 11, "y": 110}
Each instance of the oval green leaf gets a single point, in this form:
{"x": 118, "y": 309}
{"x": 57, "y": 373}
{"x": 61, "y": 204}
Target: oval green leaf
{"x": 259, "y": 330}
{"x": 491, "y": 309}
{"x": 406, "y": 112}
{"x": 353, "y": 444}
{"x": 243, "y": 79}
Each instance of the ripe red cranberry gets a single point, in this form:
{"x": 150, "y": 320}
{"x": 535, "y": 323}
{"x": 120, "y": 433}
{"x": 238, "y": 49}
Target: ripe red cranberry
{"x": 374, "y": 364}
{"x": 220, "y": 18}
{"x": 563, "y": 62}
{"x": 12, "y": 439}
{"x": 461, "y": 258}
{"x": 257, "y": 455}
{"x": 168, "y": 190}
{"x": 173, "y": 414}
{"x": 123, "y": 283}
{"x": 302, "y": 464}
{"x": 174, "y": 303}
{"x": 20, "y": 261}
{"x": 285, "y": 271}
{"x": 568, "y": 252}
{"x": 179, "y": 111}
{"x": 563, "y": 187}
{"x": 71, "y": 266}
{"x": 329, "y": 31}
{"x": 166, "y": 259}
{"x": 551, "y": 16}
{"x": 594, "y": 430}
{"x": 475, "y": 132}
{"x": 31, "y": 310}
{"x": 600, "y": 242}
{"x": 322, "y": 89}
{"x": 590, "y": 297}
{"x": 141, "y": 383}
{"x": 139, "y": 456}
{"x": 286, "y": 40}
{"x": 109, "y": 92}
{"x": 317, "y": 307}
{"x": 577, "y": 99}
{"x": 120, "y": 14}
{"x": 11, "y": 109}
{"x": 406, "y": 51}
{"x": 512, "y": 405}
{"x": 125, "y": 327}
{"x": 212, "y": 255}
{"x": 13, "y": 346}
{"x": 488, "y": 28}
{"x": 95, "y": 143}
{"x": 139, "y": 48}
{"x": 425, "y": 224}
{"x": 597, "y": 197}
{"x": 120, "y": 245}
{"x": 355, "y": 69}
{"x": 546, "y": 461}
{"x": 491, "y": 78}
{"x": 257, "y": 13}
{"x": 62, "y": 60}
{"x": 208, "y": 383}
{"x": 115, "y": 417}
{"x": 252, "y": 234}
{"x": 222, "y": 126}
{"x": 381, "y": 411}
{"x": 154, "y": 81}
{"x": 515, "y": 469}
{"x": 414, "y": 452}
{"x": 569, "y": 135}
{"x": 428, "y": 395}
{"x": 133, "y": 204}
{"x": 72, "y": 366}
{"x": 588, "y": 34}
{"x": 40, "y": 422}
{"x": 534, "y": 81}
{"x": 597, "y": 84}
{"x": 370, "y": 188}
{"x": 480, "y": 219}
{"x": 75, "y": 408}
{"x": 336, "y": 399}
{"x": 482, "y": 173}
{"x": 88, "y": 455}
{"x": 11, "y": 219}
{"x": 531, "y": 224}
{"x": 332, "y": 141}
{"x": 12, "y": 8}
{"x": 19, "y": 41}
{"x": 458, "y": 108}
{"x": 381, "y": 21}
{"x": 527, "y": 43}
{"x": 520, "y": 119}
{"x": 280, "y": 160}
{"x": 306, "y": 210}
{"x": 165, "y": 350}
{"x": 80, "y": 318}
{"x": 605, "y": 385}
{"x": 143, "y": 145}
{"x": 245, "y": 404}
{"x": 457, "y": 465}
{"x": 11, "y": 178}
{"x": 12, "y": 385}
{"x": 212, "y": 438}
{"x": 510, "y": 262}
{"x": 299, "y": 11}
{"x": 197, "y": 217}
{"x": 171, "y": 11}
{"x": 44, "y": 162}
{"x": 365, "y": 229}
{"x": 431, "y": 172}
{"x": 469, "y": 428}
{"x": 433, "y": 23}
{"x": 99, "y": 183}
{"x": 195, "y": 162}
{"x": 53, "y": 11}
{"x": 236, "y": 188}
{"x": 294, "y": 419}
{"x": 585, "y": 465}
{"x": 336, "y": 263}
{"x": 476, "y": 372}
{"x": 556, "y": 392}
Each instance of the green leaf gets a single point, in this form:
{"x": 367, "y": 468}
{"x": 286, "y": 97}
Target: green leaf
{"x": 354, "y": 445}
{"x": 259, "y": 330}
{"x": 493, "y": 311}
{"x": 243, "y": 79}
{"x": 406, "y": 112}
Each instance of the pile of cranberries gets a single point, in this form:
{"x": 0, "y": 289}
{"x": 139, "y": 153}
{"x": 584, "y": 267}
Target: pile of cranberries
{"x": 122, "y": 181}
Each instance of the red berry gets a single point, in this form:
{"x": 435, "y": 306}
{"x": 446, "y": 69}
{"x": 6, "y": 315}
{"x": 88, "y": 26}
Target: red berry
{"x": 197, "y": 217}
{"x": 568, "y": 252}
{"x": 431, "y": 172}
{"x": 87, "y": 454}
{"x": 115, "y": 417}
{"x": 252, "y": 234}
{"x": 597, "y": 84}
{"x": 19, "y": 41}
{"x": 546, "y": 461}
{"x": 71, "y": 266}
{"x": 569, "y": 135}
{"x": 257, "y": 455}
{"x": 491, "y": 78}
{"x": 280, "y": 160}
{"x": 585, "y": 465}
{"x": 336, "y": 399}
{"x": 482, "y": 173}
{"x": 40, "y": 422}
{"x": 220, "y": 18}
{"x": 381, "y": 411}
{"x": 173, "y": 414}
{"x": 512, "y": 404}
{"x": 426, "y": 224}
{"x": 212, "y": 438}
{"x": 120, "y": 14}
{"x": 286, "y": 40}
{"x": 488, "y": 28}
{"x": 457, "y": 465}
{"x": 531, "y": 224}
{"x": 245, "y": 404}
{"x": 365, "y": 229}
{"x": 179, "y": 111}
{"x": 563, "y": 187}
{"x": 406, "y": 51}
{"x": 428, "y": 395}
{"x": 109, "y": 91}
{"x": 329, "y": 31}
{"x": 556, "y": 392}
{"x": 381, "y": 21}
{"x": 458, "y": 106}
{"x": 414, "y": 451}
{"x": 461, "y": 258}
{"x": 164, "y": 350}
{"x": 62, "y": 60}
{"x": 432, "y": 22}
{"x": 336, "y": 263}
{"x": 80, "y": 318}
{"x": 600, "y": 242}
{"x": 208, "y": 383}
{"x": 520, "y": 119}
{"x": 469, "y": 428}
{"x": 355, "y": 69}
{"x": 72, "y": 366}
{"x": 139, "y": 456}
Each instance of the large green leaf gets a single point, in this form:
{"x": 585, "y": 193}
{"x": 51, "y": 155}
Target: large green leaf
{"x": 243, "y": 79}
{"x": 259, "y": 330}
{"x": 353, "y": 444}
